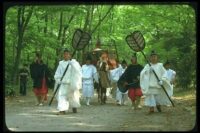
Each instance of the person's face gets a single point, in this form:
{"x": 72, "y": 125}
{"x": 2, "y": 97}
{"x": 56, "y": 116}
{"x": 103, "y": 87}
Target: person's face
{"x": 88, "y": 62}
{"x": 167, "y": 66}
{"x": 66, "y": 55}
{"x": 154, "y": 59}
{"x": 133, "y": 60}
{"x": 104, "y": 57}
{"x": 37, "y": 59}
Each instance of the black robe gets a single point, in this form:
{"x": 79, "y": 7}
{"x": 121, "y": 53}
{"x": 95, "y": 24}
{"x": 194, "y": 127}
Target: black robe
{"x": 38, "y": 72}
{"x": 131, "y": 75}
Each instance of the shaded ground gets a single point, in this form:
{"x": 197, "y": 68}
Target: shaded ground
{"x": 22, "y": 115}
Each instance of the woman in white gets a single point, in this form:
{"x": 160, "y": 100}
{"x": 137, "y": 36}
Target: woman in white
{"x": 68, "y": 93}
{"x": 89, "y": 74}
{"x": 170, "y": 74}
{"x": 151, "y": 87}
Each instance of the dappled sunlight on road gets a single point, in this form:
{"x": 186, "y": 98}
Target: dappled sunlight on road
{"x": 87, "y": 124}
{"x": 22, "y": 115}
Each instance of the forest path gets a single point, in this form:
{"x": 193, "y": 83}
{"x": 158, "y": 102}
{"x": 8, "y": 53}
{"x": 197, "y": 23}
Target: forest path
{"x": 21, "y": 114}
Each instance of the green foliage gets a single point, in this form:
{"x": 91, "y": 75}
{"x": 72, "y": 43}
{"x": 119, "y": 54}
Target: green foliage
{"x": 10, "y": 91}
{"x": 168, "y": 29}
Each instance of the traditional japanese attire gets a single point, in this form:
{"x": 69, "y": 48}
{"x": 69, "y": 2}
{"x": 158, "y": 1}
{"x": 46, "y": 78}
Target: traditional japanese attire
{"x": 131, "y": 76}
{"x": 171, "y": 76}
{"x": 103, "y": 72}
{"x": 89, "y": 74}
{"x": 39, "y": 74}
{"x": 68, "y": 93}
{"x": 154, "y": 94}
{"x": 114, "y": 77}
{"x": 120, "y": 97}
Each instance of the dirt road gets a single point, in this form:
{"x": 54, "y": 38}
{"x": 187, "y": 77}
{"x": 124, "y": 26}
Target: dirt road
{"x": 22, "y": 115}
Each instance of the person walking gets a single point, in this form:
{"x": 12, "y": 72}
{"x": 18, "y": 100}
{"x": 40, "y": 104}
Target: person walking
{"x": 151, "y": 87}
{"x": 39, "y": 74}
{"x": 171, "y": 74}
{"x": 122, "y": 97}
{"x": 131, "y": 77}
{"x": 103, "y": 72}
{"x": 23, "y": 78}
{"x": 68, "y": 93}
{"x": 89, "y": 73}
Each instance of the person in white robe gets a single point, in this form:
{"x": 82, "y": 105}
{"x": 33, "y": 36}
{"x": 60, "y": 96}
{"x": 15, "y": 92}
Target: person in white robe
{"x": 171, "y": 74}
{"x": 151, "y": 87}
{"x": 122, "y": 97}
{"x": 68, "y": 93}
{"x": 115, "y": 73}
{"x": 89, "y": 74}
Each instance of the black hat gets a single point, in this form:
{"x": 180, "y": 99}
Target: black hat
{"x": 153, "y": 53}
{"x": 88, "y": 57}
{"x": 37, "y": 54}
{"x": 134, "y": 55}
{"x": 66, "y": 50}
{"x": 167, "y": 62}
{"x": 124, "y": 62}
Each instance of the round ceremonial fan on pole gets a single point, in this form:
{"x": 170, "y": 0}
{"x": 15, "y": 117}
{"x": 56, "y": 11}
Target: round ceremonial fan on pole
{"x": 80, "y": 39}
{"x": 136, "y": 41}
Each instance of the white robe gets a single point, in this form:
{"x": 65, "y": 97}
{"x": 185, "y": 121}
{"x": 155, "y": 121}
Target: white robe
{"x": 89, "y": 74}
{"x": 68, "y": 93}
{"x": 154, "y": 93}
{"x": 115, "y": 75}
{"x": 171, "y": 76}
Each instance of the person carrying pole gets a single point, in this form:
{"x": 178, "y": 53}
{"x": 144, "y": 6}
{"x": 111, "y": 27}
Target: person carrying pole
{"x": 68, "y": 93}
{"x": 151, "y": 87}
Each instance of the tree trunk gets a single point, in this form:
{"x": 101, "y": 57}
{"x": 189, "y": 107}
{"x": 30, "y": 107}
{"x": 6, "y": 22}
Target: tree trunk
{"x": 46, "y": 23}
{"x": 61, "y": 25}
{"x": 65, "y": 29}
{"x": 87, "y": 19}
{"x": 59, "y": 36}
{"x": 101, "y": 20}
{"x": 63, "y": 34}
{"x": 22, "y": 24}
{"x": 90, "y": 24}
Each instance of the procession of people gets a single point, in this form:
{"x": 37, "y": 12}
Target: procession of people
{"x": 109, "y": 75}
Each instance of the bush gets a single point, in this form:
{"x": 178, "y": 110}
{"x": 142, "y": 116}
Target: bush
{"x": 10, "y": 91}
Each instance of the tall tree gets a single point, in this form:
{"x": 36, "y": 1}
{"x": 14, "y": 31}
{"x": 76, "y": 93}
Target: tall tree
{"x": 22, "y": 25}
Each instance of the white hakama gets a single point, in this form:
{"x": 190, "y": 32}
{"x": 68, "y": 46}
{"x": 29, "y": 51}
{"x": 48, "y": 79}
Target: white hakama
{"x": 154, "y": 93}
{"x": 114, "y": 76}
{"x": 89, "y": 74}
{"x": 68, "y": 93}
{"x": 171, "y": 76}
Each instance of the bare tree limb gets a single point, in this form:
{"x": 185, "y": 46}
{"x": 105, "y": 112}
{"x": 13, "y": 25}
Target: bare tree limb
{"x": 101, "y": 20}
